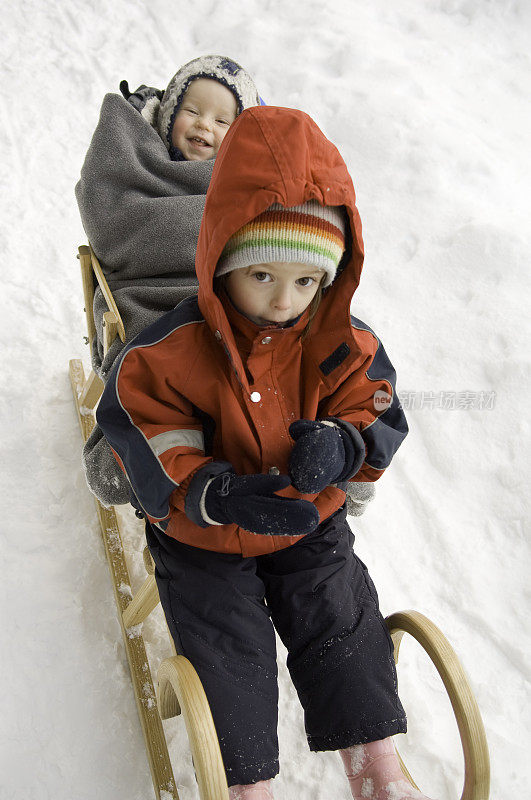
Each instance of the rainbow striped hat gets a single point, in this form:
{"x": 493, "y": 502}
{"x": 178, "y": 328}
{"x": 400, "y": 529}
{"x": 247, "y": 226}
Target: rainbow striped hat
{"x": 308, "y": 234}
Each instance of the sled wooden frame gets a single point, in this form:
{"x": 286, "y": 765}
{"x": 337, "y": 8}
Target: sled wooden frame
{"x": 179, "y": 687}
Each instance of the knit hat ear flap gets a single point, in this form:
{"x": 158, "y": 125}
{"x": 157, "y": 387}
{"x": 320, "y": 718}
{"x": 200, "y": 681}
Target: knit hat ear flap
{"x": 307, "y": 234}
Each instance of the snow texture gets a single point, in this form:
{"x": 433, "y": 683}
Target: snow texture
{"x": 427, "y": 100}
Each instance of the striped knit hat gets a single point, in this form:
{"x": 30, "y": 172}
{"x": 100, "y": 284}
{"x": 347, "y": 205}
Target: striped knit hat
{"x": 308, "y": 234}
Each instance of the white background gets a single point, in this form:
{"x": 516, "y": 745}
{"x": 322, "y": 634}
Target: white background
{"x": 428, "y": 102}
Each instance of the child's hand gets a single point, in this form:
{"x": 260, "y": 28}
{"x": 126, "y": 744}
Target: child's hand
{"x": 250, "y": 502}
{"x": 324, "y": 453}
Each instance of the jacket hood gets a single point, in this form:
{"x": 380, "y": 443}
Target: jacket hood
{"x": 276, "y": 155}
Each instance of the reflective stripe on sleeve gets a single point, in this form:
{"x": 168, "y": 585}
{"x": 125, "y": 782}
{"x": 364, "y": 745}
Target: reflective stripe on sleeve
{"x": 177, "y": 438}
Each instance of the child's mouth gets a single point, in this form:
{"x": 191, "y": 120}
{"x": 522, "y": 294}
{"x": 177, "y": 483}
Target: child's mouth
{"x": 196, "y": 141}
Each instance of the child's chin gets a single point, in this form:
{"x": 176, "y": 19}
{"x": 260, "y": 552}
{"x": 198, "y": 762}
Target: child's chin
{"x": 198, "y": 156}
{"x": 265, "y": 323}
{"x": 262, "y": 323}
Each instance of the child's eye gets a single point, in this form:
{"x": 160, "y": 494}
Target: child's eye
{"x": 222, "y": 122}
{"x": 262, "y": 277}
{"x": 306, "y": 281}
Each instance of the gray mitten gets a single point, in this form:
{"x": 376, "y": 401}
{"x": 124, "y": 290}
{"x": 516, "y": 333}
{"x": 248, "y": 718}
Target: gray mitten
{"x": 359, "y": 495}
{"x": 146, "y": 99}
{"x": 104, "y": 476}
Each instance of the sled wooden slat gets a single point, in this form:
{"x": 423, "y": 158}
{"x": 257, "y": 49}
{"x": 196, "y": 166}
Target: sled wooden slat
{"x": 467, "y": 715}
{"x": 155, "y": 741}
{"x": 142, "y": 604}
{"x": 110, "y": 329}
{"x": 148, "y": 561}
{"x": 107, "y": 294}
{"x": 91, "y": 392}
{"x": 87, "y": 279}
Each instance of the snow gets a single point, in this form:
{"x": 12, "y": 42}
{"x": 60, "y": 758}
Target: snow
{"x": 428, "y": 102}
{"x": 367, "y": 787}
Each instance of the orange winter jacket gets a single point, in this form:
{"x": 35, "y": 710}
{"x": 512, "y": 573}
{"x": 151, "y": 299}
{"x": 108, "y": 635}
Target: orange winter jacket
{"x": 204, "y": 384}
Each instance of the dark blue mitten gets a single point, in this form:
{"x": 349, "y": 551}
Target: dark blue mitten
{"x": 250, "y": 502}
{"x": 325, "y": 452}
{"x": 140, "y": 96}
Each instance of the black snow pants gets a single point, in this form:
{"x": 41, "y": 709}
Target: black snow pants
{"x": 319, "y": 596}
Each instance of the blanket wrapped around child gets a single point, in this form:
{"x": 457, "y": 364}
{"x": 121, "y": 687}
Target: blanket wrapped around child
{"x": 141, "y": 212}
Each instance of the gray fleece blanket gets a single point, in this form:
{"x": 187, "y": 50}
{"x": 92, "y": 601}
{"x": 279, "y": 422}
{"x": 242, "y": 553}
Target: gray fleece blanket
{"x": 141, "y": 213}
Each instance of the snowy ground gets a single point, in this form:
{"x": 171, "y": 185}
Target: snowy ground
{"x": 426, "y": 99}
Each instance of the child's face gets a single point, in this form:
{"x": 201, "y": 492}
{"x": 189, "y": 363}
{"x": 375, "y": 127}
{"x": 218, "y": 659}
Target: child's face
{"x": 274, "y": 293}
{"x": 206, "y": 112}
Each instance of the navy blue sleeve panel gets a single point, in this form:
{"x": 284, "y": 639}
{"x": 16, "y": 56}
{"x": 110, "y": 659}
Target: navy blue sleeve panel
{"x": 384, "y": 436}
{"x": 150, "y": 483}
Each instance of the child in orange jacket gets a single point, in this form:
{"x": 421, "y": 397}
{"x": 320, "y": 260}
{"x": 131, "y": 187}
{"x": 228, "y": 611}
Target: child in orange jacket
{"x": 239, "y": 418}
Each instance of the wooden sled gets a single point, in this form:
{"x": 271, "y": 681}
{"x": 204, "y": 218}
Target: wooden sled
{"x": 179, "y": 689}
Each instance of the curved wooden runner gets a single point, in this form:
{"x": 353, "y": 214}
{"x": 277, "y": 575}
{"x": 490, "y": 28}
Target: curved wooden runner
{"x": 471, "y": 729}
{"x": 180, "y": 690}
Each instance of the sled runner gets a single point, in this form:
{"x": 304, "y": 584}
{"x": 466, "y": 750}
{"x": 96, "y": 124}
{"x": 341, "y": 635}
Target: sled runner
{"x": 179, "y": 690}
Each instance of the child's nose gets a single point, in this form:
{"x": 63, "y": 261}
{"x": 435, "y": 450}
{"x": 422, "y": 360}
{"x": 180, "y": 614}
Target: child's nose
{"x": 282, "y": 299}
{"x": 204, "y": 122}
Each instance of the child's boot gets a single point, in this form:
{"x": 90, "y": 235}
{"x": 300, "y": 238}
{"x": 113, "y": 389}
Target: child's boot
{"x": 251, "y": 791}
{"x": 374, "y": 773}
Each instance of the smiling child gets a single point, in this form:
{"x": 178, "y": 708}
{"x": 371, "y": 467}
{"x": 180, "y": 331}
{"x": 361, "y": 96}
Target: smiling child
{"x": 141, "y": 198}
